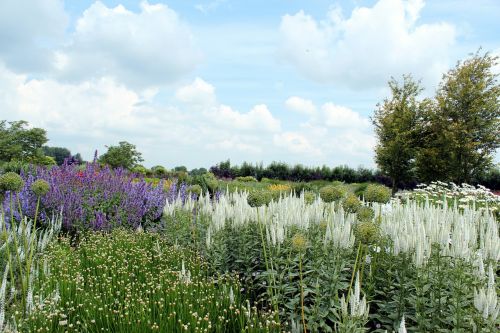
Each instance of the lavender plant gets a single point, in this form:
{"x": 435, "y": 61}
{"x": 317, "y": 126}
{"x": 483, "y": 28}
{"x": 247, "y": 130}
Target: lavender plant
{"x": 92, "y": 197}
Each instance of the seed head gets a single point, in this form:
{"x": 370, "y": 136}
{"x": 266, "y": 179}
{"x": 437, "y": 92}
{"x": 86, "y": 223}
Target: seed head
{"x": 40, "y": 187}
{"x": 11, "y": 181}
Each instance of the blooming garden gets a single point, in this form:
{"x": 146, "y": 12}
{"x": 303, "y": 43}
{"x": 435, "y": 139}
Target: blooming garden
{"x": 92, "y": 249}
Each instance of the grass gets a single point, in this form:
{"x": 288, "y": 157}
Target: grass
{"x": 135, "y": 282}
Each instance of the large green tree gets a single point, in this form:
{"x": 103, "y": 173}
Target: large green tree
{"x": 125, "y": 155}
{"x": 58, "y": 153}
{"x": 19, "y": 142}
{"x": 396, "y": 122}
{"x": 462, "y": 131}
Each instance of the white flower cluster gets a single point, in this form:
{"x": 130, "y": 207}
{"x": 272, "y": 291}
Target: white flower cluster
{"x": 358, "y": 307}
{"x": 486, "y": 299}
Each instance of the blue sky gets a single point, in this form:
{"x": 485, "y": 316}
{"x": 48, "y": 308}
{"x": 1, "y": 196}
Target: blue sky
{"x": 196, "y": 82}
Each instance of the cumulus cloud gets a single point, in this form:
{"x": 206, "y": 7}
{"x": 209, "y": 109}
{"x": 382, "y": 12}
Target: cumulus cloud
{"x": 200, "y": 95}
{"x": 367, "y": 47}
{"x": 29, "y": 29}
{"x": 197, "y": 93}
{"x": 105, "y": 111}
{"x": 295, "y": 143}
{"x": 343, "y": 117}
{"x": 148, "y": 48}
{"x": 300, "y": 105}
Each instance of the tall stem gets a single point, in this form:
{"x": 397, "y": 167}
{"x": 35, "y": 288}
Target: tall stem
{"x": 302, "y": 313}
{"x": 353, "y": 272}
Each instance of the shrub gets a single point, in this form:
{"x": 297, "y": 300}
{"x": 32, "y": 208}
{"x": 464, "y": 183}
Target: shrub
{"x": 140, "y": 170}
{"x": 351, "y": 203}
{"x": 269, "y": 181}
{"x": 377, "y": 193}
{"x": 302, "y": 187}
{"x": 159, "y": 171}
{"x": 332, "y": 193}
{"x": 195, "y": 189}
{"x": 92, "y": 198}
{"x": 15, "y": 166}
{"x": 246, "y": 179}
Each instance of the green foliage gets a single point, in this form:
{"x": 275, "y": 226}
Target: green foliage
{"x": 18, "y": 142}
{"x": 181, "y": 168}
{"x": 196, "y": 189}
{"x": 140, "y": 170}
{"x": 11, "y": 181}
{"x": 40, "y": 187}
{"x": 395, "y": 122}
{"x": 365, "y": 214}
{"x": 246, "y": 179}
{"x": 135, "y": 282}
{"x": 198, "y": 172}
{"x": 207, "y": 181}
{"x": 125, "y": 155}
{"x": 159, "y": 171}
{"x": 309, "y": 197}
{"x": 377, "y": 193}
{"x": 351, "y": 203}
{"x": 463, "y": 128}
{"x": 367, "y": 232}
{"x": 332, "y": 193}
{"x": 43, "y": 160}
{"x": 15, "y": 166}
{"x": 257, "y": 198}
{"x": 58, "y": 153}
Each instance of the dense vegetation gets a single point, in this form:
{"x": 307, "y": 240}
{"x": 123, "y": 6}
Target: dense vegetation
{"x": 113, "y": 246}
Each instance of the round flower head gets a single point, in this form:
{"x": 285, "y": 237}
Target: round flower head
{"x": 351, "y": 203}
{"x": 366, "y": 232}
{"x": 309, "y": 197}
{"x": 332, "y": 193}
{"x": 377, "y": 193}
{"x": 365, "y": 214}
{"x": 299, "y": 242}
{"x": 40, "y": 187}
{"x": 11, "y": 181}
{"x": 258, "y": 198}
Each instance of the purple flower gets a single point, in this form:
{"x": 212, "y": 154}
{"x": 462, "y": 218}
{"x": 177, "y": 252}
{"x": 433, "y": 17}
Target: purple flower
{"x": 91, "y": 198}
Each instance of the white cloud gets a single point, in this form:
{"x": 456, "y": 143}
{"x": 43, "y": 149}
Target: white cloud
{"x": 200, "y": 96}
{"x": 295, "y": 143}
{"x": 369, "y": 46}
{"x": 149, "y": 48}
{"x": 300, "y": 105}
{"x": 102, "y": 111}
{"x": 197, "y": 93}
{"x": 259, "y": 118}
{"x": 28, "y": 31}
{"x": 342, "y": 117}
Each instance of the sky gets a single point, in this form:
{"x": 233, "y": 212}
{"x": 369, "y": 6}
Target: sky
{"x": 197, "y": 82}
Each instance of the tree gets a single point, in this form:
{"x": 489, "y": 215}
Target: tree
{"x": 125, "y": 155}
{"x": 396, "y": 122}
{"x": 18, "y": 142}
{"x": 180, "y": 168}
{"x": 58, "y": 153}
{"x": 159, "y": 171}
{"x": 463, "y": 130}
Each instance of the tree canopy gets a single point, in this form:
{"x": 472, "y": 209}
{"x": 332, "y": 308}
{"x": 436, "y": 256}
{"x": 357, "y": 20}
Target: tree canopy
{"x": 19, "y": 142}
{"x": 451, "y": 137}
{"x": 125, "y": 155}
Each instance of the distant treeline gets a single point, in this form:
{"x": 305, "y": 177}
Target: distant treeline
{"x": 343, "y": 173}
